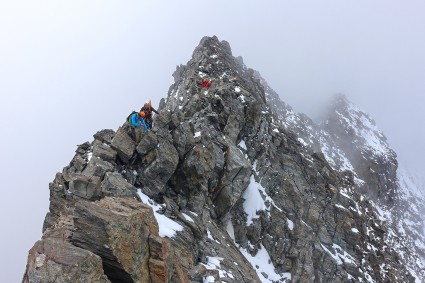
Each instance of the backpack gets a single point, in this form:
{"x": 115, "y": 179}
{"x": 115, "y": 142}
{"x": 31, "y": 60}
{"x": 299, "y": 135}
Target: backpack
{"x": 129, "y": 117}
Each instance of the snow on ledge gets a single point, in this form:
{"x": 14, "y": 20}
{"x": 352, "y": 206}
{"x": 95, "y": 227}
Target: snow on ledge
{"x": 187, "y": 217}
{"x": 253, "y": 201}
{"x": 167, "y": 227}
{"x": 209, "y": 279}
{"x": 340, "y": 256}
{"x": 290, "y": 224}
{"x": 242, "y": 144}
{"x": 262, "y": 264}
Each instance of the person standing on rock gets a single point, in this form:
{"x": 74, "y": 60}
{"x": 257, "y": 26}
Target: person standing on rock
{"x": 147, "y": 109}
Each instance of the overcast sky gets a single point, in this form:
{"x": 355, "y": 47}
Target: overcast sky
{"x": 71, "y": 68}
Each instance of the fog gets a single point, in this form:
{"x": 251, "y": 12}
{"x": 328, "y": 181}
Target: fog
{"x": 71, "y": 68}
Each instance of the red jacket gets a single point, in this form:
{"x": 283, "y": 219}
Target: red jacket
{"x": 206, "y": 84}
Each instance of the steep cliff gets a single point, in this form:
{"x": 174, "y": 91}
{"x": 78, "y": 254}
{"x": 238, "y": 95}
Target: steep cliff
{"x": 220, "y": 191}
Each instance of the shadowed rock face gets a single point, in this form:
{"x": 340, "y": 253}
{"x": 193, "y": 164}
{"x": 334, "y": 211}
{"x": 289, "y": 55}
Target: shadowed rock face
{"x": 220, "y": 191}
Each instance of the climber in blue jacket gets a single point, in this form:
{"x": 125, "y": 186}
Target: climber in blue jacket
{"x": 138, "y": 120}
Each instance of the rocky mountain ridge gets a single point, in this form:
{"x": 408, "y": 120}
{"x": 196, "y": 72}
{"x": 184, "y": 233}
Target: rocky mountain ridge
{"x": 351, "y": 141}
{"x": 220, "y": 191}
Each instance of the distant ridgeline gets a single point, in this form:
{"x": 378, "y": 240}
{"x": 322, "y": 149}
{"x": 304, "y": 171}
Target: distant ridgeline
{"x": 232, "y": 186}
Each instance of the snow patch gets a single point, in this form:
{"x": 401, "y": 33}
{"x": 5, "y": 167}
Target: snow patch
{"x": 214, "y": 263}
{"x": 253, "y": 201}
{"x": 229, "y": 228}
{"x": 242, "y": 144}
{"x": 167, "y": 227}
{"x": 187, "y": 217}
{"x": 340, "y": 256}
{"x": 359, "y": 182}
{"x": 262, "y": 264}
{"x": 290, "y": 224}
{"x": 210, "y": 236}
{"x": 343, "y": 193}
{"x": 340, "y": 206}
{"x": 383, "y": 215}
{"x": 302, "y": 142}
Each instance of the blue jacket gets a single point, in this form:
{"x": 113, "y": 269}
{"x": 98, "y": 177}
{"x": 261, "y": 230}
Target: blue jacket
{"x": 137, "y": 121}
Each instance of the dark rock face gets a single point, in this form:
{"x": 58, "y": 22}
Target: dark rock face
{"x": 220, "y": 191}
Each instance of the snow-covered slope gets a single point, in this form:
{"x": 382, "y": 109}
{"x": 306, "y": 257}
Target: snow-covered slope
{"x": 411, "y": 220}
{"x": 406, "y": 222}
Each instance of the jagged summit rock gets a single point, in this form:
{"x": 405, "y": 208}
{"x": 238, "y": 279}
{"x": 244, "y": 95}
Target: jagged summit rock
{"x": 350, "y": 140}
{"x": 366, "y": 148}
{"x": 220, "y": 191}
{"x": 355, "y": 128}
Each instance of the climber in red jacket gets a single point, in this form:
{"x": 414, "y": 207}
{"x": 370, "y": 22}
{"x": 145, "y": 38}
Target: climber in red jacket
{"x": 206, "y": 84}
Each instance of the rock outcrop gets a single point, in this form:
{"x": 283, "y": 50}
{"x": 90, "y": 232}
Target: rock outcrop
{"x": 219, "y": 191}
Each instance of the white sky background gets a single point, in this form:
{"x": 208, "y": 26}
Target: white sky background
{"x": 71, "y": 68}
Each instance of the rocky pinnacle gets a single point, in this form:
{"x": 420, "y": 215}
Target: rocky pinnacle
{"x": 220, "y": 191}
